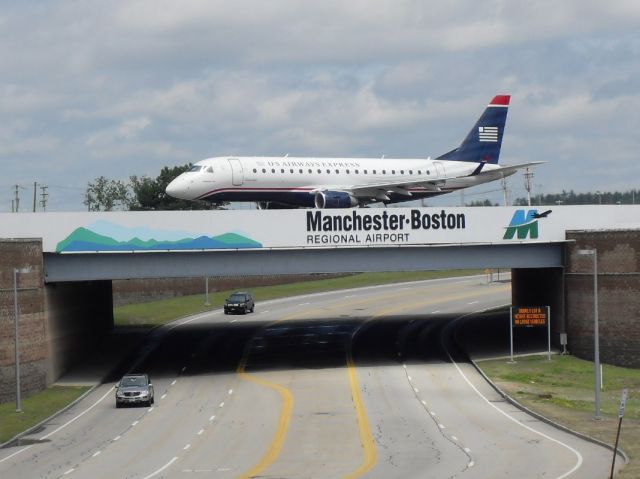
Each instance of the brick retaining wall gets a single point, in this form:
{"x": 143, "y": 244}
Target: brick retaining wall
{"x": 618, "y": 295}
{"x": 22, "y": 253}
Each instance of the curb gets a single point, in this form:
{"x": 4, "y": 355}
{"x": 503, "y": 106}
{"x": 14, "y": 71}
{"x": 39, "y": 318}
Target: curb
{"x": 546, "y": 420}
{"x": 53, "y": 416}
{"x": 525, "y": 409}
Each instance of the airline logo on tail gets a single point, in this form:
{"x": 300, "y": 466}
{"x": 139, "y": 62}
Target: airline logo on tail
{"x": 488, "y": 134}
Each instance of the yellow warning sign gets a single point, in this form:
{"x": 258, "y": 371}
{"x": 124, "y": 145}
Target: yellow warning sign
{"x": 530, "y": 316}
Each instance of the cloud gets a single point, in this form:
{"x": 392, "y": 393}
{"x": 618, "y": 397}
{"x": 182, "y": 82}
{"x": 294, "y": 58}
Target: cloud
{"x": 125, "y": 88}
{"x": 127, "y": 131}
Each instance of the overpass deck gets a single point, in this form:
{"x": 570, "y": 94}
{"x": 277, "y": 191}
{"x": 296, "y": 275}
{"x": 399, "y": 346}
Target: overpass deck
{"x": 120, "y": 245}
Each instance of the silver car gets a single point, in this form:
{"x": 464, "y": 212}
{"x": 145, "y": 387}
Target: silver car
{"x": 134, "y": 389}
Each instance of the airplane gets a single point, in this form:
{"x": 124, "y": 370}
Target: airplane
{"x": 288, "y": 182}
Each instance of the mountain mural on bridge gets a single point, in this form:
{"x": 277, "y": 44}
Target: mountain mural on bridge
{"x": 105, "y": 236}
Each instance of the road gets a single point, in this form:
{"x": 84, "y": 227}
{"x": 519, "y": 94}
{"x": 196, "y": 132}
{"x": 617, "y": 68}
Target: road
{"x": 357, "y": 383}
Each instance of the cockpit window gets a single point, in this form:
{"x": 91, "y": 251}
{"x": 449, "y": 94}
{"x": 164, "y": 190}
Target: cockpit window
{"x": 209, "y": 169}
{"x": 195, "y": 168}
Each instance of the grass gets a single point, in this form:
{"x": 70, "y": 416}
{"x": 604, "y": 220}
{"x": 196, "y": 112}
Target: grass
{"x": 562, "y": 390}
{"x": 160, "y": 312}
{"x": 35, "y": 409}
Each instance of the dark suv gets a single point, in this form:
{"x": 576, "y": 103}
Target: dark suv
{"x": 134, "y": 389}
{"x": 239, "y": 302}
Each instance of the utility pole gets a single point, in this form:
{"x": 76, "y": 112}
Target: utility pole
{"x": 505, "y": 191}
{"x": 35, "y": 189}
{"x": 528, "y": 179}
{"x": 44, "y": 196}
{"x": 16, "y": 200}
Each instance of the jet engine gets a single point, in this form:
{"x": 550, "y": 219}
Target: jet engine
{"x": 335, "y": 199}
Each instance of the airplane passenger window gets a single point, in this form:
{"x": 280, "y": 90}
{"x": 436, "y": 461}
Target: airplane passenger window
{"x": 264, "y": 170}
{"x": 273, "y": 170}
{"x": 320, "y": 170}
{"x": 384, "y": 172}
{"x": 337, "y": 171}
{"x": 356, "y": 172}
{"x": 300, "y": 170}
{"x": 255, "y": 171}
{"x": 310, "y": 171}
{"x": 281, "y": 170}
{"x": 365, "y": 172}
{"x": 291, "y": 170}
{"x": 374, "y": 172}
{"x": 393, "y": 172}
{"x": 428, "y": 173}
{"x": 328, "y": 171}
{"x": 402, "y": 172}
{"x": 411, "y": 172}
{"x": 347, "y": 172}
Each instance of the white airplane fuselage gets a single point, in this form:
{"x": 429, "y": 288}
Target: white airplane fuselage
{"x": 296, "y": 181}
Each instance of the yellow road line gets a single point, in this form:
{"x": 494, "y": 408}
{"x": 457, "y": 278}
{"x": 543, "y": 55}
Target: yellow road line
{"x": 368, "y": 445}
{"x": 366, "y": 438}
{"x": 283, "y": 422}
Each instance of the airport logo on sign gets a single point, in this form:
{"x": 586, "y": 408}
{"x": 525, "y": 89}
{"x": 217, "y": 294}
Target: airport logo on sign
{"x": 524, "y": 224}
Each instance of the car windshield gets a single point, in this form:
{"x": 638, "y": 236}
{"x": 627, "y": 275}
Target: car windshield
{"x": 133, "y": 381}
{"x": 236, "y": 297}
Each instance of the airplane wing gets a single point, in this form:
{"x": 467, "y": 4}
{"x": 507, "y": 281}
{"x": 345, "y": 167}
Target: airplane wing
{"x": 380, "y": 190}
{"x": 510, "y": 170}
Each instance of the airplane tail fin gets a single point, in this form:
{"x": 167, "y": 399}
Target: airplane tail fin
{"x": 482, "y": 144}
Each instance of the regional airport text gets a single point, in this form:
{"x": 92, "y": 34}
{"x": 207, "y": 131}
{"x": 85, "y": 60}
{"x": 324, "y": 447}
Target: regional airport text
{"x": 346, "y": 239}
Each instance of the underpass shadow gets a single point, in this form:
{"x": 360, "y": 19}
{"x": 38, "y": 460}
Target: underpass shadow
{"x": 316, "y": 343}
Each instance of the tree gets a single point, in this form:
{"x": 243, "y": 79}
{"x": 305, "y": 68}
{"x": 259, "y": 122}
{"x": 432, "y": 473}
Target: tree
{"x": 140, "y": 193}
{"x": 106, "y": 195}
{"x": 482, "y": 203}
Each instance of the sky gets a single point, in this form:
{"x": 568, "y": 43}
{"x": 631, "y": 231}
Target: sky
{"x": 124, "y": 88}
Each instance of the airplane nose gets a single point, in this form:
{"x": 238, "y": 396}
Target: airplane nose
{"x": 177, "y": 188}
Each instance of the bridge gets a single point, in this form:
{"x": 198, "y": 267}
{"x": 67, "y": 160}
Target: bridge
{"x": 73, "y": 257}
{"x": 124, "y": 245}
